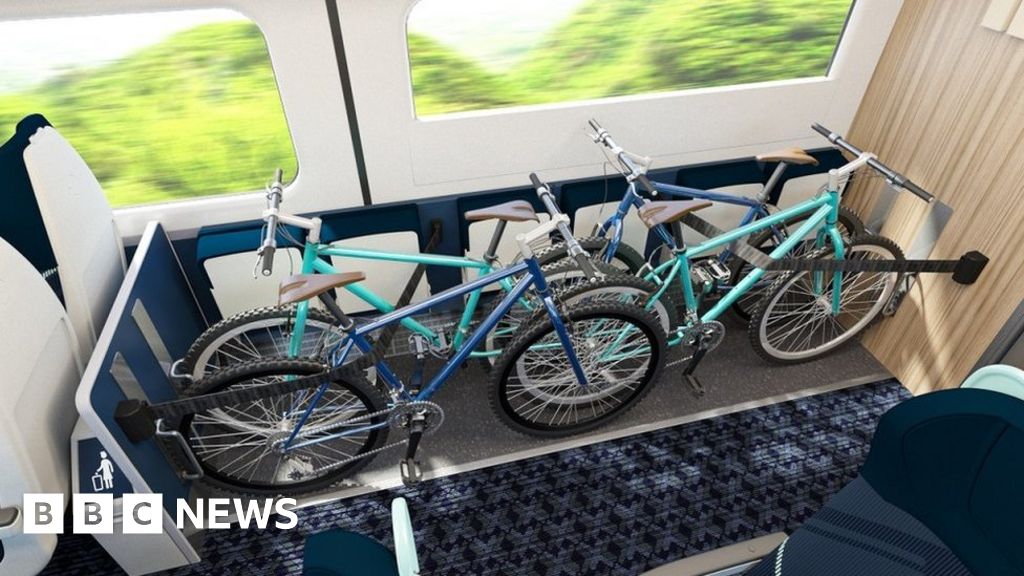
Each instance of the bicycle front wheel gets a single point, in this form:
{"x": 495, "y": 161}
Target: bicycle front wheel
{"x": 534, "y": 388}
{"x": 240, "y": 445}
{"x": 794, "y": 322}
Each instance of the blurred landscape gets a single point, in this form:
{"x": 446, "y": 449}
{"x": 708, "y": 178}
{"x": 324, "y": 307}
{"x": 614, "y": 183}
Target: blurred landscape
{"x": 198, "y": 112}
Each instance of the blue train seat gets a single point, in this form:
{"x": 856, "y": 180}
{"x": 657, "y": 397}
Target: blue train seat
{"x": 344, "y": 553}
{"x": 937, "y": 495}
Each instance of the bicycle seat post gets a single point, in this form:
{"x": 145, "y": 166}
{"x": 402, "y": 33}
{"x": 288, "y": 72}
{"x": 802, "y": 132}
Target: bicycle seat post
{"x": 491, "y": 255}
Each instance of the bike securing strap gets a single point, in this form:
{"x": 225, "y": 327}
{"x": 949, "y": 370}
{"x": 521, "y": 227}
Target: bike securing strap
{"x": 964, "y": 270}
{"x": 193, "y": 405}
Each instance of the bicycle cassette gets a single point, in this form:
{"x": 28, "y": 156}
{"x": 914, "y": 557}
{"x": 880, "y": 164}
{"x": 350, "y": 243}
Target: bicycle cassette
{"x": 433, "y": 413}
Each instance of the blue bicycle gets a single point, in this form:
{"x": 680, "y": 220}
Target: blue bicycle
{"x": 294, "y": 425}
{"x": 723, "y": 271}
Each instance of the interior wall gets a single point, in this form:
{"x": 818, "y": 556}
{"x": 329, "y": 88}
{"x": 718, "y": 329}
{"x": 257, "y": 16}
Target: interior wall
{"x": 944, "y": 108}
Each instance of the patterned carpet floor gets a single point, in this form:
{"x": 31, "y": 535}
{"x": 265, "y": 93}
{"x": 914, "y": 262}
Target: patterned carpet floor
{"x": 617, "y": 507}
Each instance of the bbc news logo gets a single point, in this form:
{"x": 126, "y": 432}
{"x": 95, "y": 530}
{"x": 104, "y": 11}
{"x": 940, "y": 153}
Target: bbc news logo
{"x": 143, "y": 513}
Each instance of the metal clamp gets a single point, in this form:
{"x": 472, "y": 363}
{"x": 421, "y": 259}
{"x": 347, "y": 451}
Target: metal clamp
{"x": 183, "y": 446}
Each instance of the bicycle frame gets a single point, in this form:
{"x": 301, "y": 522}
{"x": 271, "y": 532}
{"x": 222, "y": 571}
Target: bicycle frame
{"x": 312, "y": 261}
{"x": 357, "y": 338}
{"x": 755, "y": 210}
{"x": 823, "y": 210}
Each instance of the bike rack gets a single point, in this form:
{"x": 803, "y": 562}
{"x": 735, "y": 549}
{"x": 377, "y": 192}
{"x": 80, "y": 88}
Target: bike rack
{"x": 155, "y": 317}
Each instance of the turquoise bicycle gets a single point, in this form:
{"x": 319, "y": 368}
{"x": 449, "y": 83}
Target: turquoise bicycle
{"x": 802, "y": 314}
{"x": 302, "y": 331}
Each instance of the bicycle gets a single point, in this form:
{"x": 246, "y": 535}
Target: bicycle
{"x": 293, "y": 425}
{"x": 724, "y": 268}
{"x": 302, "y": 331}
{"x": 803, "y": 313}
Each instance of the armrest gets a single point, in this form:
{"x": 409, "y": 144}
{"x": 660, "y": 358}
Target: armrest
{"x": 405, "y": 543}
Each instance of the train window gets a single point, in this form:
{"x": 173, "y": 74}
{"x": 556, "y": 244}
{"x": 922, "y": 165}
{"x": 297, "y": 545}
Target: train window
{"x": 471, "y": 55}
{"x": 162, "y": 106}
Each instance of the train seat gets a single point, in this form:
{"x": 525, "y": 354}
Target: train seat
{"x": 935, "y": 495}
{"x": 80, "y": 225}
{"x": 39, "y": 371}
{"x": 344, "y": 553}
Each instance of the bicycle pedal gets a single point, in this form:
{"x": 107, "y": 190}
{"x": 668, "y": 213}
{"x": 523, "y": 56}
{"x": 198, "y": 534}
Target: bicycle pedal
{"x": 412, "y": 472}
{"x": 695, "y": 384}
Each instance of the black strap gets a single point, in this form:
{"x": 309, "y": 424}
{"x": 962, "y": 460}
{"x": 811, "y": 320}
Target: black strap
{"x": 759, "y": 259}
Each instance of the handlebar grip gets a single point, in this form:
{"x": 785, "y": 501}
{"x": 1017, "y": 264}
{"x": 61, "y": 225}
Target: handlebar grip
{"x": 593, "y": 124}
{"x": 646, "y": 184}
{"x": 918, "y": 191}
{"x": 267, "y": 258}
{"x": 586, "y": 265}
{"x": 821, "y": 130}
{"x": 278, "y": 175}
{"x": 536, "y": 181}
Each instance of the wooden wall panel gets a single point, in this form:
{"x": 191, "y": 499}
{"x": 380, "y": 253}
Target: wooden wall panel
{"x": 946, "y": 107}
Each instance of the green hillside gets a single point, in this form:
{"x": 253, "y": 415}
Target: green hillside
{"x": 196, "y": 114}
{"x": 636, "y": 46}
{"x": 199, "y": 113}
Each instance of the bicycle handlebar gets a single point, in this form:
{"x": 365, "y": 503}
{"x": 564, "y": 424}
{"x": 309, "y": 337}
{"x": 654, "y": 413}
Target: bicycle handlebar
{"x": 577, "y": 252}
{"x": 635, "y": 163}
{"x": 891, "y": 175}
{"x": 269, "y": 245}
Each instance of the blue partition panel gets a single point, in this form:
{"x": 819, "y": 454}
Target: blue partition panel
{"x": 156, "y": 279}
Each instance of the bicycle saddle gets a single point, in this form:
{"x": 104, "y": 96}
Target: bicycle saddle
{"x": 514, "y": 211}
{"x": 655, "y": 213}
{"x": 306, "y": 286}
{"x": 790, "y": 156}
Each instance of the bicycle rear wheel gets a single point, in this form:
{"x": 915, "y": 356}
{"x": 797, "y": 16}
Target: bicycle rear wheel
{"x": 239, "y": 445}
{"x": 794, "y": 322}
{"x": 848, "y": 224}
{"x": 534, "y": 389}
{"x": 626, "y": 258}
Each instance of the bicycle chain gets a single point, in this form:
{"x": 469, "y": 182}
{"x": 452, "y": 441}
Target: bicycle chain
{"x": 392, "y": 422}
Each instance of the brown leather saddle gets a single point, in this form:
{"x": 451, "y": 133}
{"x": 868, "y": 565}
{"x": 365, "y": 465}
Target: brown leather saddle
{"x": 307, "y": 286}
{"x": 793, "y": 155}
{"x": 655, "y": 213}
{"x": 514, "y": 211}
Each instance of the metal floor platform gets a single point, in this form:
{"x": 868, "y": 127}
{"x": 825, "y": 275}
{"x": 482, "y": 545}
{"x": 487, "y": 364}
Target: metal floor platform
{"x": 734, "y": 376}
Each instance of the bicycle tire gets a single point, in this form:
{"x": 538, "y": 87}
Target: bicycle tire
{"x": 650, "y": 335}
{"x": 771, "y": 350}
{"x": 738, "y": 268}
{"x": 626, "y": 258}
{"x": 248, "y": 373}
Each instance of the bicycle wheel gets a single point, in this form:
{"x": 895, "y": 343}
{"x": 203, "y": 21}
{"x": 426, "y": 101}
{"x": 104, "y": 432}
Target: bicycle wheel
{"x": 622, "y": 288}
{"x": 260, "y": 334}
{"x": 794, "y": 324}
{"x": 561, "y": 275}
{"x": 238, "y": 445}
{"x": 625, "y": 259}
{"x": 533, "y": 387}
{"x": 848, "y": 223}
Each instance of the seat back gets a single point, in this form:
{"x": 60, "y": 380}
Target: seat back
{"x": 80, "y": 224}
{"x": 39, "y": 372}
{"x": 952, "y": 459}
{"x": 998, "y": 378}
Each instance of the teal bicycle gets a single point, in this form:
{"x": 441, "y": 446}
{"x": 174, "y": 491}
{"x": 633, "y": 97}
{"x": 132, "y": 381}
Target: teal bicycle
{"x": 302, "y": 331}
{"x": 802, "y": 314}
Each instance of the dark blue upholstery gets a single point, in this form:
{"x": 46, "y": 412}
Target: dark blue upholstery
{"x": 955, "y": 460}
{"x": 937, "y": 496}
{"x": 343, "y": 553}
{"x": 21, "y": 224}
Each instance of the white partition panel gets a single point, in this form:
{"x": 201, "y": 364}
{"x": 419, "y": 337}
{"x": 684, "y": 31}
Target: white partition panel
{"x": 39, "y": 371}
{"x": 80, "y": 224}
